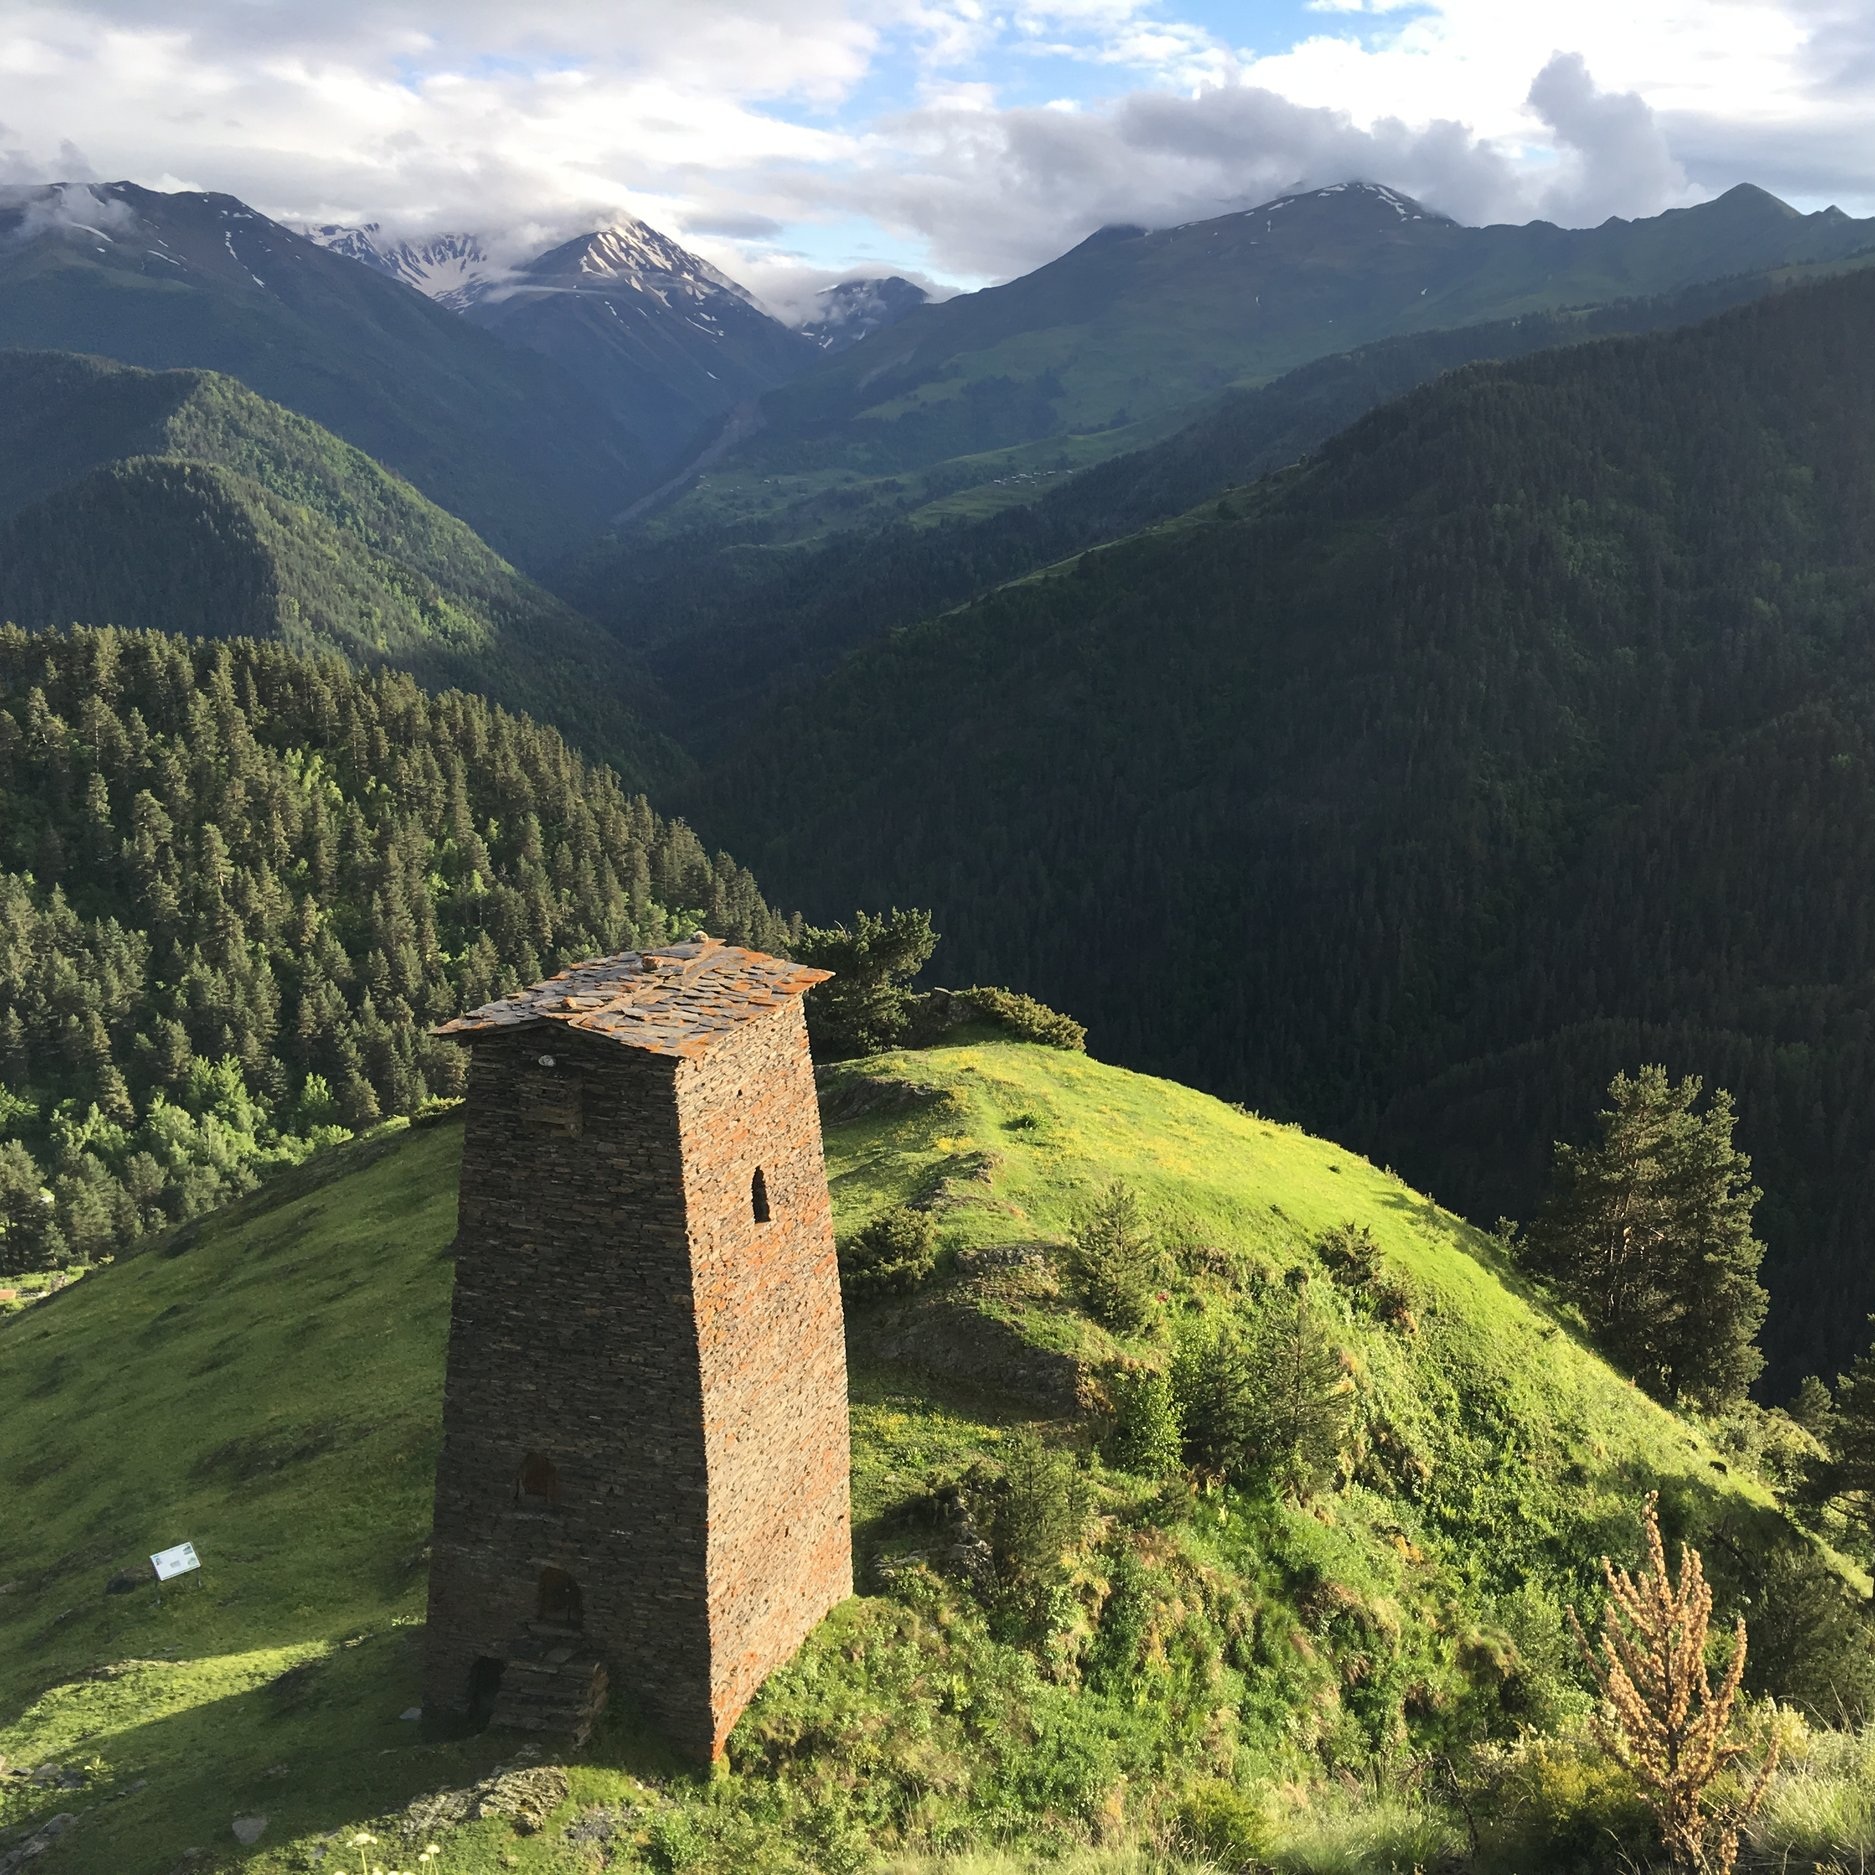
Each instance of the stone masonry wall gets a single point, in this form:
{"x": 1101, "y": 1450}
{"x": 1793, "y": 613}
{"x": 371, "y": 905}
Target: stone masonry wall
{"x": 619, "y": 1311}
{"x": 572, "y": 1335}
{"x": 773, "y": 1351}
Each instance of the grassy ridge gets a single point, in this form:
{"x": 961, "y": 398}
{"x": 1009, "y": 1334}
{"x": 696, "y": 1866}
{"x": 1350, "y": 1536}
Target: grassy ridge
{"x": 268, "y": 1387}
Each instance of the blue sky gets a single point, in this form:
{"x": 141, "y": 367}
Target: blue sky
{"x": 961, "y": 141}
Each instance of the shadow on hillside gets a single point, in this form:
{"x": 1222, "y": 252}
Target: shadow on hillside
{"x": 321, "y": 1748}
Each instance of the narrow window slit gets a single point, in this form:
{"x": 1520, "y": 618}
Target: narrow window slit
{"x": 540, "y": 1480}
{"x": 758, "y": 1196}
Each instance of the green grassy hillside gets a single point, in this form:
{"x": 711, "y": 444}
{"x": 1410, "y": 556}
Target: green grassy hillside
{"x": 180, "y": 501}
{"x": 267, "y": 1386}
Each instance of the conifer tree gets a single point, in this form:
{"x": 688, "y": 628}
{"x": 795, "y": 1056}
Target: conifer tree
{"x": 1112, "y": 1260}
{"x": 1649, "y": 1230}
{"x": 867, "y": 1006}
{"x": 1273, "y": 1406}
{"x": 1303, "y": 1396}
{"x": 1848, "y": 1476}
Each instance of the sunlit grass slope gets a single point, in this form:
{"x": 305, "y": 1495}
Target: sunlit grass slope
{"x": 267, "y": 1386}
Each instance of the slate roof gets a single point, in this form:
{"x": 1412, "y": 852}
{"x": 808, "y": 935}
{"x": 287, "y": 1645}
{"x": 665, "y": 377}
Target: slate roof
{"x": 674, "y": 1001}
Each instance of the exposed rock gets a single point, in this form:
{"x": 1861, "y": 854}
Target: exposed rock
{"x": 525, "y": 1794}
{"x": 248, "y": 1830}
{"x": 526, "y": 1798}
{"x": 857, "y": 1097}
{"x": 1006, "y": 1256}
{"x": 37, "y": 1843}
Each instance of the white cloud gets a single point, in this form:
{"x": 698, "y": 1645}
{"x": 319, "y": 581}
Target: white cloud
{"x": 780, "y": 135}
{"x": 1618, "y": 159}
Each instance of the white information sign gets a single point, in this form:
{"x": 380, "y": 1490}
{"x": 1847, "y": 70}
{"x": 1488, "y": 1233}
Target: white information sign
{"x": 175, "y": 1562}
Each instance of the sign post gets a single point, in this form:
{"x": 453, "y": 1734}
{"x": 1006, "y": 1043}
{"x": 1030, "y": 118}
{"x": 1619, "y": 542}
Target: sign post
{"x": 170, "y": 1563}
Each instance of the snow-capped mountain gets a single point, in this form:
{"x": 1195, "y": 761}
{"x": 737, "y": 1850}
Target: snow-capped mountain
{"x": 194, "y": 279}
{"x": 844, "y": 314}
{"x": 668, "y": 343}
{"x": 658, "y": 339}
{"x": 452, "y": 269}
{"x": 1373, "y": 198}
{"x": 633, "y": 256}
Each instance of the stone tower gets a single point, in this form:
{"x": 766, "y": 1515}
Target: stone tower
{"x": 644, "y": 1463}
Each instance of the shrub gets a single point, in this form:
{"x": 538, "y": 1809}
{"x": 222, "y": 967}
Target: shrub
{"x": 1148, "y": 1435}
{"x": 1560, "y": 1804}
{"x": 1028, "y": 1020}
{"x": 1224, "y": 1825}
{"x": 1351, "y": 1255}
{"x": 891, "y": 1255}
{"x": 1112, "y": 1261}
{"x": 1033, "y": 1512}
{"x": 1119, "y": 1642}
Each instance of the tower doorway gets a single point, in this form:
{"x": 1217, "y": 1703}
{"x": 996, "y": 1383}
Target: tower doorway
{"x": 560, "y": 1603}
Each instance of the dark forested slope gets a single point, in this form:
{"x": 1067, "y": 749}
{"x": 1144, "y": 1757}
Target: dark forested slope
{"x": 1527, "y": 731}
{"x": 726, "y": 622}
{"x": 178, "y": 501}
{"x": 237, "y": 885}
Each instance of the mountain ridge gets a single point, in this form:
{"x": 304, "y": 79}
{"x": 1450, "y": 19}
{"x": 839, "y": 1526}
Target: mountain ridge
{"x": 497, "y": 437}
{"x": 1126, "y": 330}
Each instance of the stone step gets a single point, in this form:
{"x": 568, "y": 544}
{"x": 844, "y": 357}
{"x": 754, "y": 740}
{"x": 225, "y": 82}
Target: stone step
{"x": 553, "y": 1688}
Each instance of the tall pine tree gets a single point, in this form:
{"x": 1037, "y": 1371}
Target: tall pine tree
{"x": 1649, "y": 1230}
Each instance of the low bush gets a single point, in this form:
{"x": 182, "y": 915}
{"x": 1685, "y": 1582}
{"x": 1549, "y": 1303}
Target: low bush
{"x": 1351, "y": 1255}
{"x": 1028, "y": 1020}
{"x": 891, "y": 1255}
{"x": 1225, "y": 1825}
{"x": 1561, "y": 1805}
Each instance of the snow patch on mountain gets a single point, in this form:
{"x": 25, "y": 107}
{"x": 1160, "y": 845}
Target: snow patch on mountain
{"x": 453, "y": 269}
{"x": 1373, "y": 194}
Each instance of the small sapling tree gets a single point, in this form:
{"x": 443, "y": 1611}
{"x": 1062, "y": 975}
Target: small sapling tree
{"x": 1034, "y": 1514}
{"x": 1304, "y": 1397}
{"x": 1112, "y": 1260}
{"x": 1271, "y": 1406}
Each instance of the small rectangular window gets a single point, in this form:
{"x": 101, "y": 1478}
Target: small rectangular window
{"x": 550, "y": 1104}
